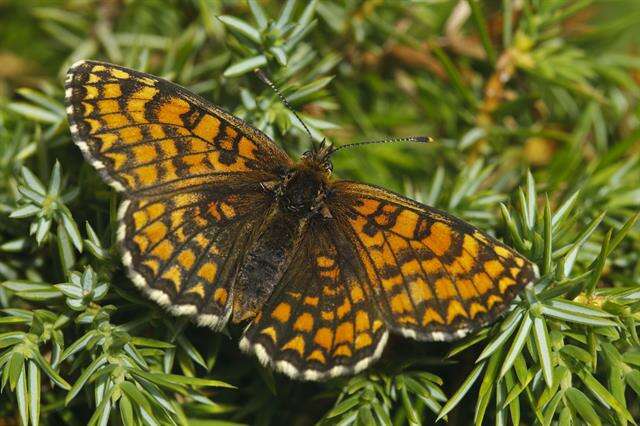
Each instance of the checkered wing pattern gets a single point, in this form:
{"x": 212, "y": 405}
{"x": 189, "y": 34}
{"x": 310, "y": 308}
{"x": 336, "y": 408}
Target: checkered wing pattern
{"x": 191, "y": 175}
{"x": 320, "y": 323}
{"x": 434, "y": 277}
{"x": 145, "y": 134}
{"x": 183, "y": 248}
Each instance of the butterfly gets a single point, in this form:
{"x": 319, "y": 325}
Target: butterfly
{"x": 220, "y": 224}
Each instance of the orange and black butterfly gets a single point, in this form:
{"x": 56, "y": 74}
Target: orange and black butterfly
{"x": 220, "y": 224}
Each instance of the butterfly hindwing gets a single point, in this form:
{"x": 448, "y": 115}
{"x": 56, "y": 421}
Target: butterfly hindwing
{"x": 145, "y": 134}
{"x": 320, "y": 322}
{"x": 184, "y": 249}
{"x": 434, "y": 277}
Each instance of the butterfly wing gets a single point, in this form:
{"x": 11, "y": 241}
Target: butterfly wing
{"x": 319, "y": 322}
{"x": 191, "y": 174}
{"x": 183, "y": 248}
{"x": 146, "y": 134}
{"x": 433, "y": 276}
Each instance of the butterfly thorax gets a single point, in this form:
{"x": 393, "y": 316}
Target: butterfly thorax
{"x": 303, "y": 189}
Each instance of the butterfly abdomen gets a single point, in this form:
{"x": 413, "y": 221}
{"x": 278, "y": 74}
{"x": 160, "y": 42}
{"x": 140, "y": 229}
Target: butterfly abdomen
{"x": 266, "y": 260}
{"x": 298, "y": 199}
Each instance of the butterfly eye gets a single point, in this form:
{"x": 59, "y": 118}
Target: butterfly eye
{"x": 328, "y": 166}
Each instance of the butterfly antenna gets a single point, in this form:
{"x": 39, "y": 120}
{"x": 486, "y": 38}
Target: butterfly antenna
{"x": 262, "y": 76}
{"x": 418, "y": 139}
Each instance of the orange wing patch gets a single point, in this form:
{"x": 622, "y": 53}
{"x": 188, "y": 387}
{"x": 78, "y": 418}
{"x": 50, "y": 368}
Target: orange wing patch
{"x": 434, "y": 277}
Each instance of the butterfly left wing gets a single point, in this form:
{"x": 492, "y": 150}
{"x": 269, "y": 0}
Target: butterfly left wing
{"x": 319, "y": 323}
{"x": 192, "y": 178}
{"x": 183, "y": 248}
{"x": 434, "y": 277}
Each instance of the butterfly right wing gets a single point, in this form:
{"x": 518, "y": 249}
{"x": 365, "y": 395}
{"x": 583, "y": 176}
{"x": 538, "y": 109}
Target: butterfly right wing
{"x": 434, "y": 277}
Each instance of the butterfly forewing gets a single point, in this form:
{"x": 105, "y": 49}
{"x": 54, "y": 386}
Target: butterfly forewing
{"x": 433, "y": 277}
{"x": 191, "y": 175}
{"x": 145, "y": 134}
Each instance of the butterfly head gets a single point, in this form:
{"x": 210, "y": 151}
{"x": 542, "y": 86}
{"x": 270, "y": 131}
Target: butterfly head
{"x": 320, "y": 157}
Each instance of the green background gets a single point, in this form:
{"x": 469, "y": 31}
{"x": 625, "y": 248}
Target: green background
{"x": 534, "y": 105}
